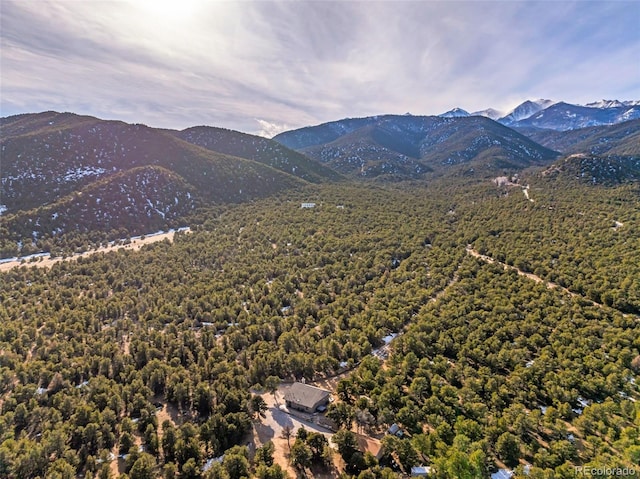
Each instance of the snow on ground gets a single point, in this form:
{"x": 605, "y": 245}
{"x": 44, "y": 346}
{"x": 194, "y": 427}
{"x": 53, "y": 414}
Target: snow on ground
{"x": 388, "y": 338}
{"x": 77, "y": 173}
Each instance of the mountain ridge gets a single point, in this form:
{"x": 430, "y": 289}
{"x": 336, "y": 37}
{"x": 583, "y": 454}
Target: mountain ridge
{"x": 256, "y": 148}
{"x": 411, "y": 146}
{"x": 595, "y": 170}
{"x": 76, "y": 150}
{"x": 565, "y": 116}
{"x": 56, "y": 166}
{"x": 531, "y": 112}
{"x": 619, "y": 139}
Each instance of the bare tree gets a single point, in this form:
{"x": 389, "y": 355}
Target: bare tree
{"x": 287, "y": 432}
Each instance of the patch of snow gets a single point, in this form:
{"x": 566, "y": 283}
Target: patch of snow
{"x": 583, "y": 402}
{"x": 605, "y": 104}
{"x": 77, "y": 173}
{"x": 211, "y": 462}
{"x": 388, "y": 338}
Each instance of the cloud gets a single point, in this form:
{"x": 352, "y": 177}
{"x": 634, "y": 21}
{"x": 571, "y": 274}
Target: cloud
{"x": 233, "y": 64}
{"x": 269, "y": 130}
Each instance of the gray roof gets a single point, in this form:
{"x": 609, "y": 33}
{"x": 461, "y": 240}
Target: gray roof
{"x": 421, "y": 470}
{"x": 306, "y": 395}
{"x": 502, "y": 474}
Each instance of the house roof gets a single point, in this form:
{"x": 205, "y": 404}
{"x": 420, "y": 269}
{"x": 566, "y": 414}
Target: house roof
{"x": 306, "y": 395}
{"x": 420, "y": 470}
{"x": 369, "y": 444}
{"x": 502, "y": 474}
{"x": 395, "y": 429}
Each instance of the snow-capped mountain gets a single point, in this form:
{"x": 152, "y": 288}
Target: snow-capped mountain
{"x": 612, "y": 103}
{"x": 558, "y": 115}
{"x": 565, "y": 116}
{"x": 455, "y": 113}
{"x": 489, "y": 113}
{"x": 525, "y": 110}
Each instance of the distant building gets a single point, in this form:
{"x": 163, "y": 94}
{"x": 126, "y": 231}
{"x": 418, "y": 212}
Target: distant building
{"x": 308, "y": 205}
{"x": 305, "y": 397}
{"x": 420, "y": 471}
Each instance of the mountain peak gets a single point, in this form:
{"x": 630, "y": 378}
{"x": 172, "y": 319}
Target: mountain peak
{"x": 612, "y": 103}
{"x": 566, "y": 116}
{"x": 525, "y": 110}
{"x": 489, "y": 113}
{"x": 455, "y": 113}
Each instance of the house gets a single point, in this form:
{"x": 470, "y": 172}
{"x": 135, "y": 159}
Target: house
{"x": 420, "y": 471}
{"x": 502, "y": 474}
{"x": 308, "y": 205}
{"x": 305, "y": 397}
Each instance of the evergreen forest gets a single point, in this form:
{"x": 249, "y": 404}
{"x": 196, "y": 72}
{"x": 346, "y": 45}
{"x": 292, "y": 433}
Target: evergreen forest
{"x": 514, "y": 317}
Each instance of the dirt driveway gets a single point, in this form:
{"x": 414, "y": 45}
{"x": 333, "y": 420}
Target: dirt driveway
{"x": 270, "y": 428}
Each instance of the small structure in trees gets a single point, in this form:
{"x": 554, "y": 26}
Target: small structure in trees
{"x": 420, "y": 471}
{"x": 502, "y": 474}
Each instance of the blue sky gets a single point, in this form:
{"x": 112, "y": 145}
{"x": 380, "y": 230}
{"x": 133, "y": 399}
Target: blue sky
{"x": 261, "y": 67}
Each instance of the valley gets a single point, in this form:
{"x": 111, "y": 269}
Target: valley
{"x": 469, "y": 296}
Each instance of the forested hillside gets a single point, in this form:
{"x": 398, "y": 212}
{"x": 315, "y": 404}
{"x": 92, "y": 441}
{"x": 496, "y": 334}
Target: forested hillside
{"x": 622, "y": 139}
{"x": 64, "y": 174}
{"x": 393, "y": 147}
{"x": 153, "y": 354}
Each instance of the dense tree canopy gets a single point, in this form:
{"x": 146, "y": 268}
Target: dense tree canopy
{"x": 488, "y": 365}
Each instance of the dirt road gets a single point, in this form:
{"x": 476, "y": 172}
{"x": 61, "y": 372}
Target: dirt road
{"x": 47, "y": 261}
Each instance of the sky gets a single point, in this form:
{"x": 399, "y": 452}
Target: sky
{"x": 266, "y": 66}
